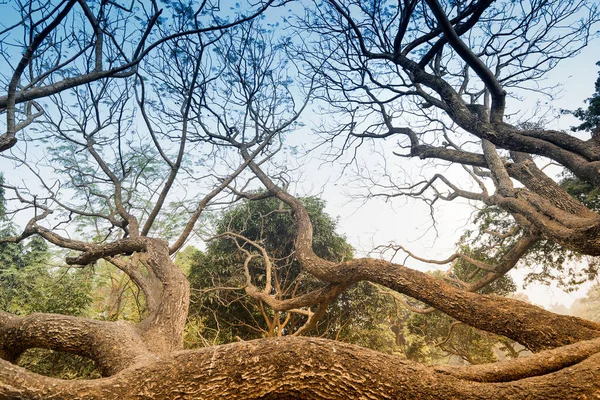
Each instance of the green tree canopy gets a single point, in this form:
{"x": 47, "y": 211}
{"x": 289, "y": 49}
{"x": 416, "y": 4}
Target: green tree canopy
{"x": 590, "y": 116}
{"x": 224, "y": 314}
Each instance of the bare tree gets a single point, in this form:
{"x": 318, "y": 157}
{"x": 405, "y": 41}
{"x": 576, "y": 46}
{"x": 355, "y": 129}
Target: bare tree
{"x": 70, "y": 43}
{"x": 450, "y": 64}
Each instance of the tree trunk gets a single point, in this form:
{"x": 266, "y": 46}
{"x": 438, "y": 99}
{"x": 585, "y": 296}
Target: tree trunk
{"x": 309, "y": 368}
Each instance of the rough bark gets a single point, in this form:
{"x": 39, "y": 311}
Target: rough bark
{"x": 529, "y": 325}
{"x": 309, "y": 368}
{"x": 162, "y": 329}
{"x": 142, "y": 361}
{"x": 112, "y": 345}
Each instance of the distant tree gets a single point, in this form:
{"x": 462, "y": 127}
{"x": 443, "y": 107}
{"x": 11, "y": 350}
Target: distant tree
{"x": 590, "y": 116}
{"x": 29, "y": 283}
{"x": 588, "y": 307}
{"x": 218, "y": 279}
{"x": 28, "y": 280}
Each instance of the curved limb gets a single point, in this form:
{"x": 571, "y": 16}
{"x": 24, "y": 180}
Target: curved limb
{"x": 114, "y": 346}
{"x": 284, "y": 368}
{"x": 535, "y": 328}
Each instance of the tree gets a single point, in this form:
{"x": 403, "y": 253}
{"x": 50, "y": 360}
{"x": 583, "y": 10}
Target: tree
{"x": 590, "y": 117}
{"x": 222, "y": 99}
{"x": 587, "y": 307}
{"x": 71, "y": 43}
{"x": 218, "y": 276}
{"x": 27, "y": 285}
{"x": 245, "y": 232}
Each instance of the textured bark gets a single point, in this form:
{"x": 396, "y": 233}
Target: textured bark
{"x": 532, "y": 326}
{"x": 162, "y": 329}
{"x": 145, "y": 361}
{"x": 7, "y": 141}
{"x": 307, "y": 368}
{"x": 142, "y": 361}
{"x": 112, "y": 345}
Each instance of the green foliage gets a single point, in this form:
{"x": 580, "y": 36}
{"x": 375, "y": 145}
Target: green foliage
{"x": 139, "y": 169}
{"x": 28, "y": 284}
{"x": 220, "y": 316}
{"x": 590, "y": 115}
{"x": 365, "y": 314}
{"x": 437, "y": 338}
{"x": 229, "y": 313}
{"x": 361, "y": 315}
{"x": 115, "y": 296}
{"x": 270, "y": 222}
{"x": 585, "y": 192}
{"x": 58, "y": 364}
{"x": 546, "y": 261}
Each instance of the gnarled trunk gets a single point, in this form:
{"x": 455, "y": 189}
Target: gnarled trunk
{"x": 114, "y": 346}
{"x": 309, "y": 368}
{"x": 142, "y": 361}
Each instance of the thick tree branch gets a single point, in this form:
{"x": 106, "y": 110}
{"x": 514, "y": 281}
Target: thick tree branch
{"x": 531, "y": 326}
{"x": 114, "y": 346}
{"x": 277, "y": 368}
